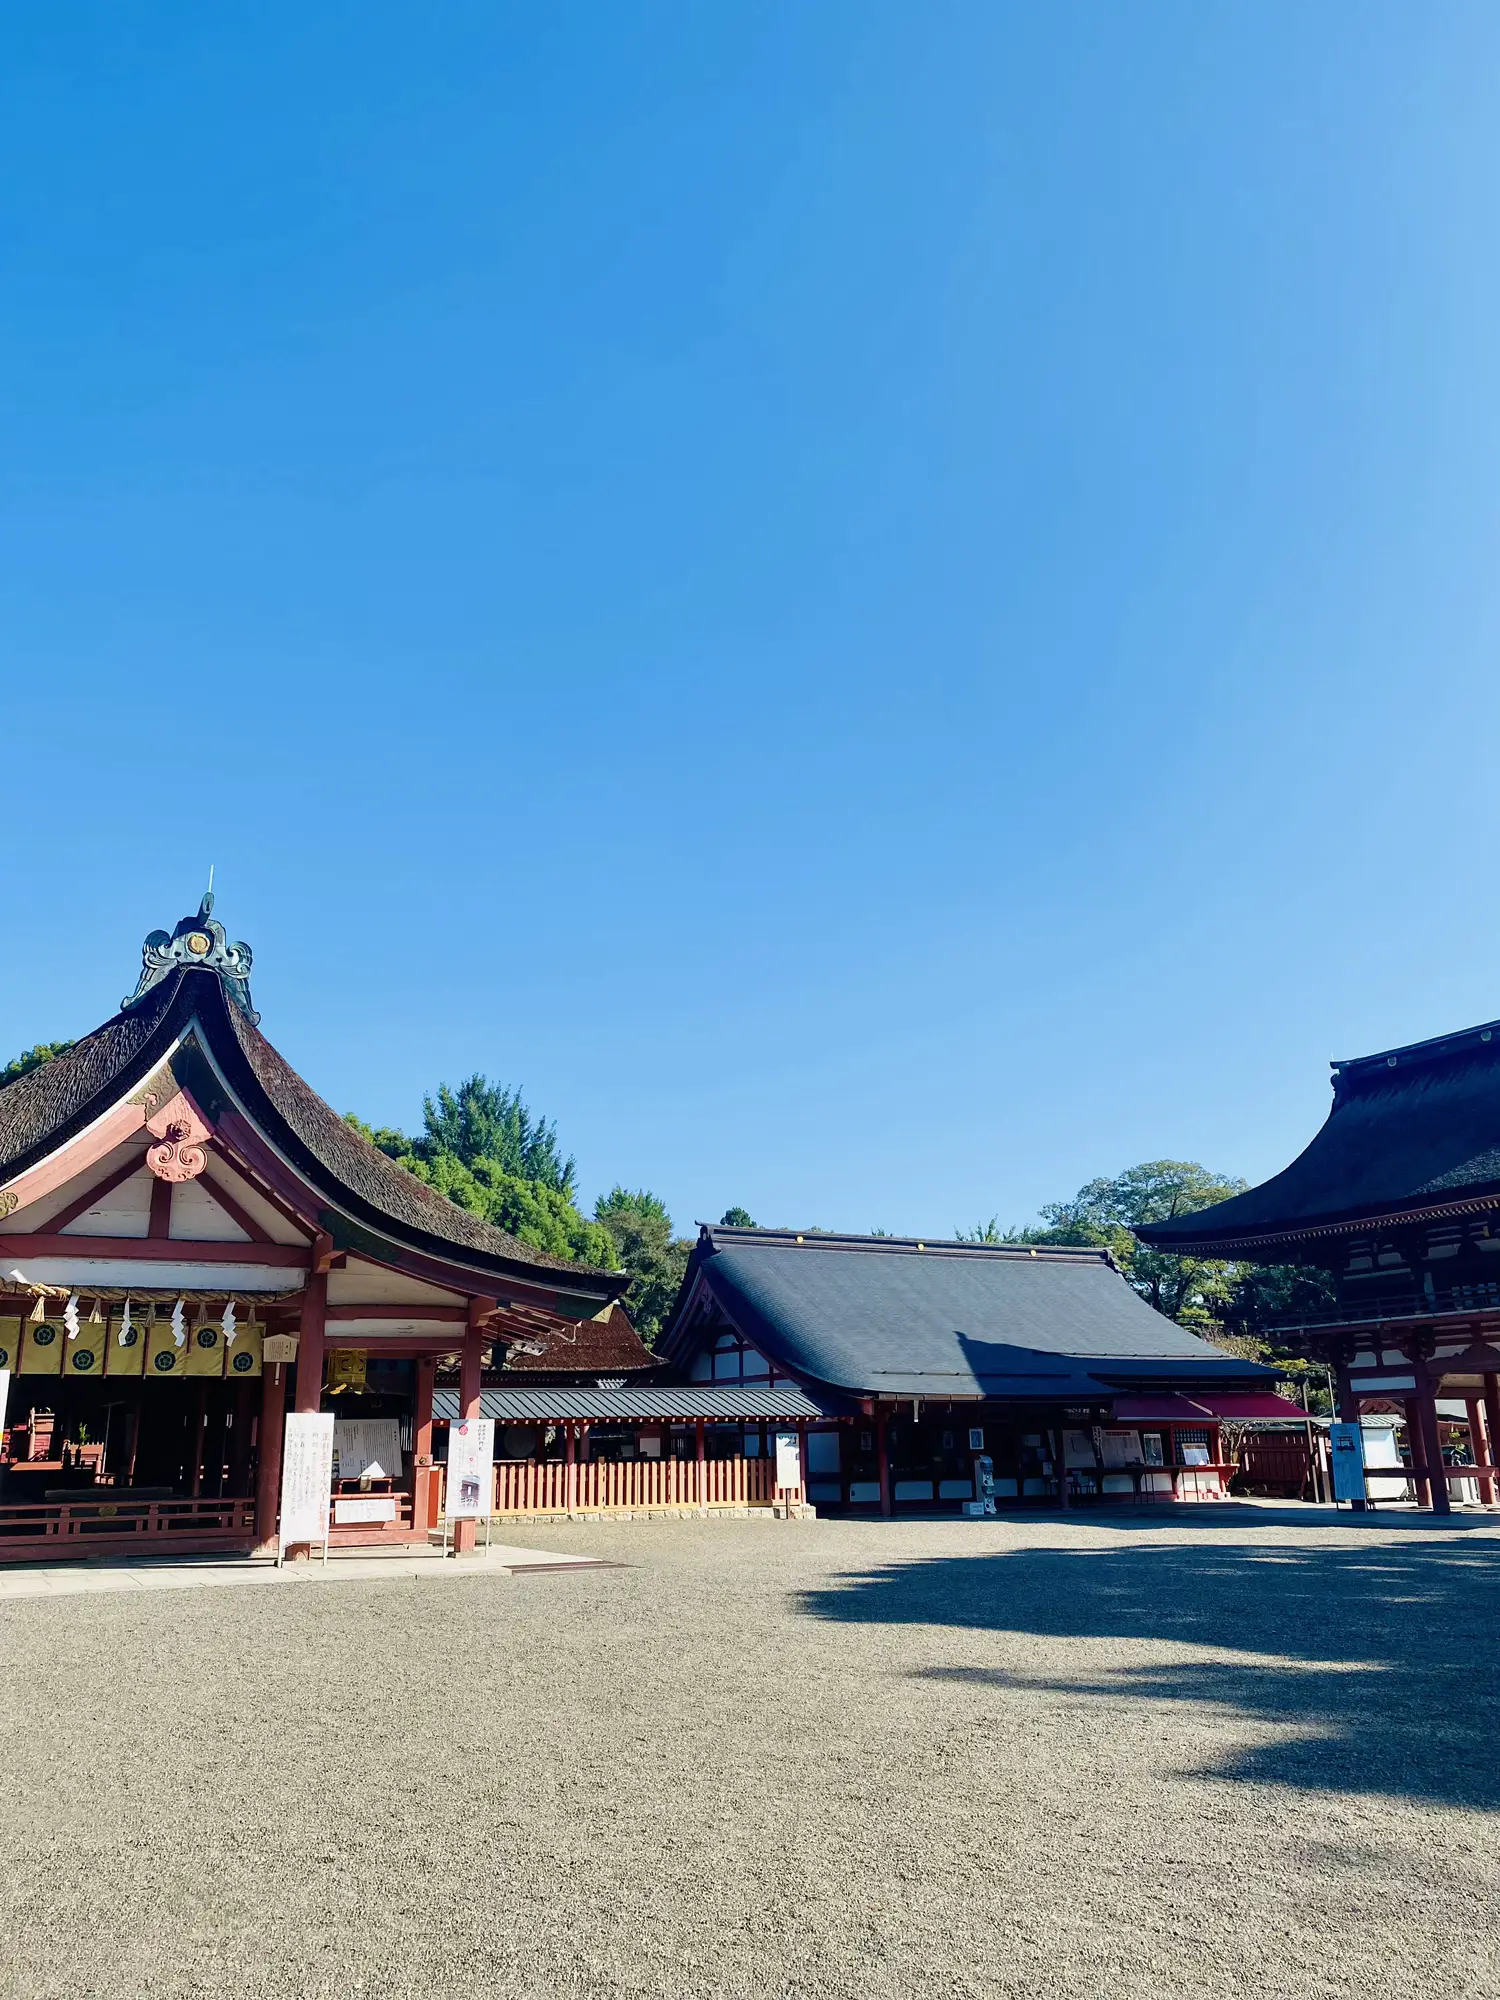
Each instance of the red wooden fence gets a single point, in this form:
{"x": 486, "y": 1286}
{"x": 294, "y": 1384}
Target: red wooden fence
{"x": 114, "y": 1526}
{"x": 631, "y": 1486}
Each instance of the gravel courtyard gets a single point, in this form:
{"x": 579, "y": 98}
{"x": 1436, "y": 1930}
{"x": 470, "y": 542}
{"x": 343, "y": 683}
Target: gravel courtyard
{"x": 1245, "y": 1753}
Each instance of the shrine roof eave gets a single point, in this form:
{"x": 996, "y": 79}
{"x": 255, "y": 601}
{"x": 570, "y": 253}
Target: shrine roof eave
{"x": 1412, "y": 1137}
{"x": 361, "y": 1198}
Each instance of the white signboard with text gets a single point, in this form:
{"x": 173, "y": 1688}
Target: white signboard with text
{"x": 368, "y": 1447}
{"x": 306, "y": 1479}
{"x": 469, "y": 1494}
{"x": 788, "y": 1459}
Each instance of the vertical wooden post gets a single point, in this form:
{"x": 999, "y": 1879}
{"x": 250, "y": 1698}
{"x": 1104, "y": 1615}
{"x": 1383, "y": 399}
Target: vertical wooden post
{"x": 1492, "y": 1417}
{"x": 310, "y": 1342}
{"x": 268, "y": 1458}
{"x": 1062, "y": 1465}
{"x": 200, "y": 1422}
{"x": 701, "y": 1459}
{"x": 883, "y": 1461}
{"x": 1479, "y": 1447}
{"x": 239, "y": 1439}
{"x": 423, "y": 1485}
{"x": 1432, "y": 1450}
{"x": 469, "y": 1404}
{"x": 570, "y": 1471}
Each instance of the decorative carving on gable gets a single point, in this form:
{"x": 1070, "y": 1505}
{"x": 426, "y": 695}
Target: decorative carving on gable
{"x": 181, "y": 1134}
{"x": 197, "y": 941}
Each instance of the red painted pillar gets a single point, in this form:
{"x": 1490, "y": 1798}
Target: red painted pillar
{"x": 268, "y": 1456}
{"x": 1431, "y": 1449}
{"x": 701, "y": 1459}
{"x": 1479, "y": 1447}
{"x": 310, "y": 1342}
{"x": 570, "y": 1474}
{"x": 469, "y": 1387}
{"x": 423, "y": 1484}
{"x": 882, "y": 1446}
{"x": 1492, "y": 1417}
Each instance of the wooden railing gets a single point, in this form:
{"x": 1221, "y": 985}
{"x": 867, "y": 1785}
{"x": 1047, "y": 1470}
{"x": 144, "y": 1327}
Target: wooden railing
{"x": 629, "y": 1486}
{"x": 62, "y": 1526}
{"x": 350, "y": 1529}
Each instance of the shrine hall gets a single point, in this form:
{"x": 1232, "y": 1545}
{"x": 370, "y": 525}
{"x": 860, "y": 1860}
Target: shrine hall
{"x": 194, "y": 1247}
{"x": 1392, "y": 1212}
{"x": 192, "y": 1243}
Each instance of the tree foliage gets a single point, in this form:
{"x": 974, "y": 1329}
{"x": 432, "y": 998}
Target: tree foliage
{"x": 737, "y": 1218}
{"x": 30, "y": 1059}
{"x": 486, "y": 1121}
{"x": 484, "y": 1148}
{"x": 641, "y": 1230}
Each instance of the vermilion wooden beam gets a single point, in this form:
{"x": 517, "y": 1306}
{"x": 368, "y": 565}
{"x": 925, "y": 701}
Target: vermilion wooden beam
{"x": 159, "y": 1229}
{"x": 263, "y": 1188}
{"x": 160, "y": 1250}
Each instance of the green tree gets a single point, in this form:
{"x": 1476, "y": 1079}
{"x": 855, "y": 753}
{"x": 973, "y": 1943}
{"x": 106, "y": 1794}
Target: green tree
{"x": 487, "y": 1151}
{"x": 539, "y": 1215}
{"x": 486, "y": 1121}
{"x": 641, "y": 1230}
{"x": 30, "y": 1059}
{"x": 1192, "y": 1290}
{"x": 737, "y": 1218}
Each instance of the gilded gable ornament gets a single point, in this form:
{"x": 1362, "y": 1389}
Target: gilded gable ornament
{"x": 198, "y": 941}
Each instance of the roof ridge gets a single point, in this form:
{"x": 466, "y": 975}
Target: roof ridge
{"x": 1435, "y": 1046}
{"x": 717, "y": 1236}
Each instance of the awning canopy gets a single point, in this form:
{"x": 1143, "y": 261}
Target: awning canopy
{"x": 716, "y": 1402}
{"x": 1208, "y": 1406}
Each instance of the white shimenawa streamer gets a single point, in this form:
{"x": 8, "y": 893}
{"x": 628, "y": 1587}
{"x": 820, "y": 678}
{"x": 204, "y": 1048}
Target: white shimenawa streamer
{"x": 231, "y": 1326}
{"x": 125, "y": 1323}
{"x": 70, "y": 1316}
{"x": 179, "y": 1330}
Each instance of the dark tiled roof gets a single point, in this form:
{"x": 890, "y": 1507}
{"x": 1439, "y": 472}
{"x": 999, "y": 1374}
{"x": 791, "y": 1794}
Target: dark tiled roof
{"x": 41, "y": 1110}
{"x": 885, "y": 1316}
{"x": 1411, "y": 1131}
{"x": 724, "y": 1402}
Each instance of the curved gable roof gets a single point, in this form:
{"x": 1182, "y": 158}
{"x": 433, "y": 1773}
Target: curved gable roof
{"x": 1412, "y": 1132}
{"x": 43, "y": 1109}
{"x": 883, "y": 1316}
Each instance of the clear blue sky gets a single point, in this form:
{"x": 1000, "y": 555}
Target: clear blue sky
{"x": 890, "y": 607}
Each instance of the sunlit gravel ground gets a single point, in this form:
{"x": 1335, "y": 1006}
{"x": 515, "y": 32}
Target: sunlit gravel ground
{"x": 1247, "y": 1753}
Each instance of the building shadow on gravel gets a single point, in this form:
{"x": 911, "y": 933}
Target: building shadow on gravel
{"x": 1381, "y": 1660}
